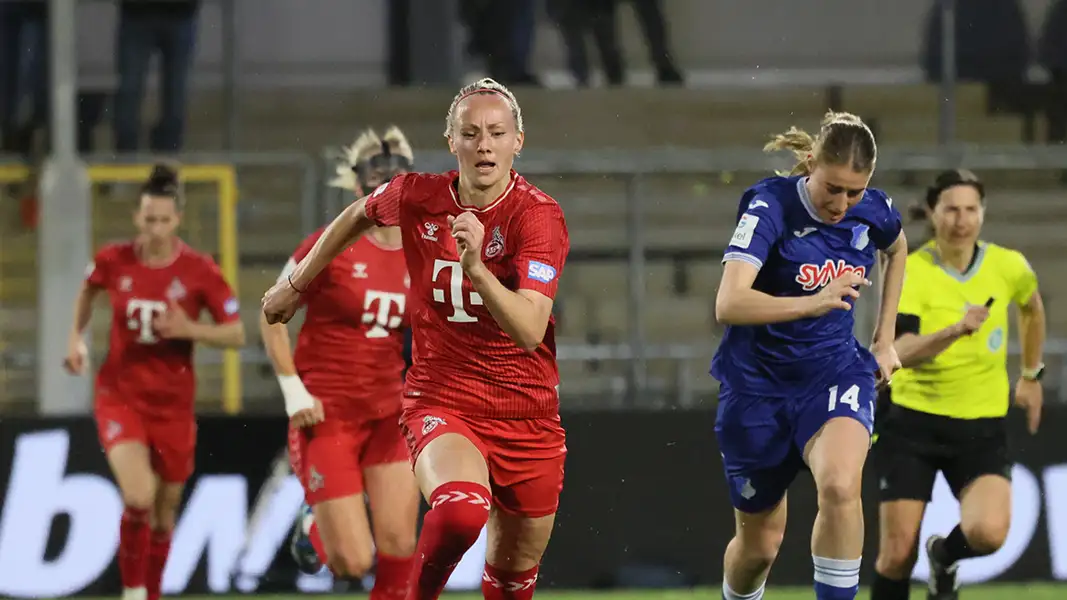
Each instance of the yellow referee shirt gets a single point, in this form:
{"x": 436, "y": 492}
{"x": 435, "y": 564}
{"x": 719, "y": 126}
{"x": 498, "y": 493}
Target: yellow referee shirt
{"x": 969, "y": 380}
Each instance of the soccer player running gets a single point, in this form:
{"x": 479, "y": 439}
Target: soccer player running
{"x": 484, "y": 249}
{"x": 343, "y": 391}
{"x": 146, "y": 388}
{"x": 946, "y": 411}
{"x": 797, "y": 388}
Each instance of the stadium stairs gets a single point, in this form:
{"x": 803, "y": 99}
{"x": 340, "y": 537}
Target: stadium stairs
{"x": 687, "y": 218}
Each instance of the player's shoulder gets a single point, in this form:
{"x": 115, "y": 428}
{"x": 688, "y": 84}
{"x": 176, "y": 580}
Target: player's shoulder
{"x": 1003, "y": 257}
{"x": 116, "y": 251}
{"x": 527, "y": 196}
{"x": 774, "y": 189}
{"x": 877, "y": 202}
{"x": 193, "y": 259}
{"x": 921, "y": 257}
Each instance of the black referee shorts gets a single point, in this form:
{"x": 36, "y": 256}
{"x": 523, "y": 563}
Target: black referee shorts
{"x": 912, "y": 446}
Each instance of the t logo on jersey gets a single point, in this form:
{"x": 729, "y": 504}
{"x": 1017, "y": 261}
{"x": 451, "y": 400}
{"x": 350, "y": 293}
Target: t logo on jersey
{"x": 455, "y": 291}
{"x": 813, "y": 277}
{"x": 139, "y": 317}
{"x": 384, "y": 318}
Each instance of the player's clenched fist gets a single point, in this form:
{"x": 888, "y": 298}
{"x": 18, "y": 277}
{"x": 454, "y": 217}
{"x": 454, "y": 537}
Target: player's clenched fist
{"x": 836, "y": 294}
{"x": 77, "y": 356}
{"x": 280, "y": 302}
{"x": 469, "y": 233}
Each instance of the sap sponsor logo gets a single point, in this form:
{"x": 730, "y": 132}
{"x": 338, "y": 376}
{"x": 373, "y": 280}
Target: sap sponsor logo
{"x": 541, "y": 272}
{"x": 812, "y": 277}
{"x": 213, "y": 529}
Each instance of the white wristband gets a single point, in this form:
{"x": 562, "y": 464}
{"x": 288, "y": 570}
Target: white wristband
{"x": 296, "y": 395}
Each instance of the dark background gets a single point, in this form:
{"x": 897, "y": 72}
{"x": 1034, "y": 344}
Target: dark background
{"x": 645, "y": 501}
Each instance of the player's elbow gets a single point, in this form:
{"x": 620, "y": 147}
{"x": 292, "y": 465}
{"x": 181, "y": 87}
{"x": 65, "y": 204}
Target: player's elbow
{"x": 725, "y": 308}
{"x": 529, "y": 340}
{"x": 236, "y": 335}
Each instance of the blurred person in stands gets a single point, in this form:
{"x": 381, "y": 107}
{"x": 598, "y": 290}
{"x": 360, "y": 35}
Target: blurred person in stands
{"x": 484, "y": 249}
{"x": 577, "y": 18}
{"x": 147, "y": 27}
{"x": 23, "y": 72}
{"x": 946, "y": 409}
{"x": 1053, "y": 55}
{"x": 343, "y": 391}
{"x": 797, "y": 387}
{"x": 507, "y": 56}
{"x": 146, "y": 388}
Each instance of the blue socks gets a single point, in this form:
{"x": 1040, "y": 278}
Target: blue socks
{"x": 836, "y": 579}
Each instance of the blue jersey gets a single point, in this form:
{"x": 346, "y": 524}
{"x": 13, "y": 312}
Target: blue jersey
{"x": 779, "y": 232}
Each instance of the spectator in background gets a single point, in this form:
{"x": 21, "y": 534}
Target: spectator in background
{"x": 576, "y": 18}
{"x": 23, "y": 71}
{"x": 502, "y": 33}
{"x": 992, "y": 42}
{"x": 147, "y": 26}
{"x": 1053, "y": 55}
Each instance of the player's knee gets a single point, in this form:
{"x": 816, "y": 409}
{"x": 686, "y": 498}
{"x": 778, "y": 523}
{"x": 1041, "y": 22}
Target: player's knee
{"x": 460, "y": 510}
{"x": 987, "y": 535}
{"x": 349, "y": 562}
{"x": 897, "y": 557}
{"x": 139, "y": 497}
{"x": 395, "y": 543}
{"x": 760, "y": 546}
{"x": 838, "y": 487}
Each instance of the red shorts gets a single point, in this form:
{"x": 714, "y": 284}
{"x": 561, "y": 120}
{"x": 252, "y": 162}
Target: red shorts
{"x": 171, "y": 441}
{"x": 329, "y": 458}
{"x": 525, "y": 456}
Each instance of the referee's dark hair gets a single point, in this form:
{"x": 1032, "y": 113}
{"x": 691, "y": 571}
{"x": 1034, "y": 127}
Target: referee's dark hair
{"x": 945, "y": 180}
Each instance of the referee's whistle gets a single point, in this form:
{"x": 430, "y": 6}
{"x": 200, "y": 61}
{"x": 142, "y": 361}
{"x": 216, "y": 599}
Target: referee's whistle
{"x": 989, "y": 302}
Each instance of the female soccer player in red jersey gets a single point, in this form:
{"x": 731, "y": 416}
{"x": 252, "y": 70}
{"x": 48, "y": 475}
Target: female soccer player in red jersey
{"x": 343, "y": 390}
{"x": 484, "y": 249}
{"x": 146, "y": 388}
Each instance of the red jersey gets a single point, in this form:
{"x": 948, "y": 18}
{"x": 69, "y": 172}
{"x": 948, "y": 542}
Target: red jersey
{"x": 350, "y": 352}
{"x": 462, "y": 360}
{"x": 141, "y": 368}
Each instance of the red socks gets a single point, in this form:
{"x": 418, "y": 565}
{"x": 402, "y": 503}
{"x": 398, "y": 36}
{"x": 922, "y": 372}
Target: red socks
{"x": 158, "y": 550}
{"x": 508, "y": 585}
{"x": 392, "y": 577}
{"x": 133, "y": 547}
{"x": 458, "y": 511}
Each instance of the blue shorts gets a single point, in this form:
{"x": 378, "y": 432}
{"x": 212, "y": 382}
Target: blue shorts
{"x": 762, "y": 438}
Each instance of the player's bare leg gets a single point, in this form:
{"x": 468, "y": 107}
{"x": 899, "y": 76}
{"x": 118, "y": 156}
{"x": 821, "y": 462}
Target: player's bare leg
{"x": 454, "y": 479}
{"x": 346, "y": 537}
{"x": 899, "y": 522}
{"x": 836, "y": 455}
{"x": 515, "y": 544}
{"x": 163, "y": 520}
{"x": 394, "y": 505}
{"x": 752, "y": 551}
{"x": 985, "y": 515}
{"x": 131, "y": 465}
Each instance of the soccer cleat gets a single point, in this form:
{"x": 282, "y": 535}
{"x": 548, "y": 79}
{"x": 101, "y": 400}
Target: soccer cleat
{"x": 138, "y": 593}
{"x": 300, "y": 547}
{"x": 944, "y": 584}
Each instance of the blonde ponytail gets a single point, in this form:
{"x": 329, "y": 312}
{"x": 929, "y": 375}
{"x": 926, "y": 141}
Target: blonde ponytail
{"x": 797, "y": 141}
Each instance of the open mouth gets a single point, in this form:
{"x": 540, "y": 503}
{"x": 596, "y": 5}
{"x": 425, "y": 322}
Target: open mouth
{"x": 485, "y": 166}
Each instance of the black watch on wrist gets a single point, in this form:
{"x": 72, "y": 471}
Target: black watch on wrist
{"x": 1034, "y": 374}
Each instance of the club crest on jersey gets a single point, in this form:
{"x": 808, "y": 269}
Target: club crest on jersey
{"x": 813, "y": 277}
{"x": 176, "y": 291}
{"x": 431, "y": 423}
{"x": 496, "y": 243}
{"x": 860, "y": 237}
{"x": 359, "y": 270}
{"x": 125, "y": 283}
{"x": 431, "y": 231}
{"x": 315, "y": 479}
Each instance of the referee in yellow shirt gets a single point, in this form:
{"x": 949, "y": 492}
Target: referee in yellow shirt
{"x": 947, "y": 406}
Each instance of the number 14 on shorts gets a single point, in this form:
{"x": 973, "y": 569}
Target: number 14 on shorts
{"x": 850, "y": 398}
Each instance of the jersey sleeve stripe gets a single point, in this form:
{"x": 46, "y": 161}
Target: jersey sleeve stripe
{"x": 742, "y": 257}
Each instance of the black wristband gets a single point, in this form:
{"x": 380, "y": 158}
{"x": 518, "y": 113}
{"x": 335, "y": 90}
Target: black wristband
{"x": 293, "y": 285}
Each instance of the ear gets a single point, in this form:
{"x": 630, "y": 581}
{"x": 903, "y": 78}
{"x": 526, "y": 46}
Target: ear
{"x": 810, "y": 161}
{"x": 451, "y": 145}
{"x": 520, "y": 139}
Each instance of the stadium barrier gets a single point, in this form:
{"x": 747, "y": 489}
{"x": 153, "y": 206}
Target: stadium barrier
{"x": 645, "y": 504}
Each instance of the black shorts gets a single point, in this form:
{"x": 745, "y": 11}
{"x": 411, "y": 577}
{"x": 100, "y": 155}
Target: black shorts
{"x": 912, "y": 446}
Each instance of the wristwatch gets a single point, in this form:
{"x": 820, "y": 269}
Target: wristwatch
{"x": 1034, "y": 374}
